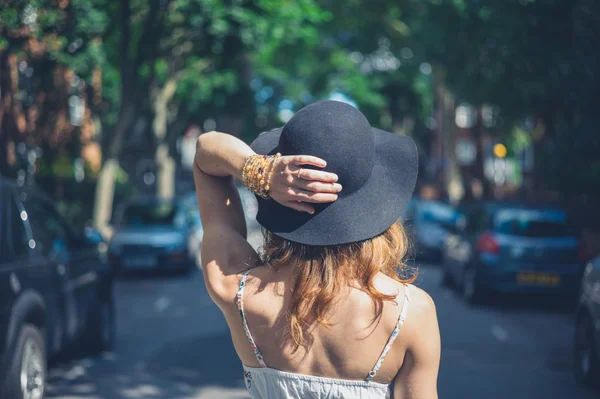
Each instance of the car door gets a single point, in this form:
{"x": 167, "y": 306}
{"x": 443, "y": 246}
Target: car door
{"x": 52, "y": 242}
{"x": 85, "y": 266}
{"x": 28, "y": 274}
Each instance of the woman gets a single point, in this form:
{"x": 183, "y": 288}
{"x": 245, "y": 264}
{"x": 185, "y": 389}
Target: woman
{"x": 318, "y": 313}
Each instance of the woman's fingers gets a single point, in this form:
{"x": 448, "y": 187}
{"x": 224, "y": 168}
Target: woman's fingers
{"x": 299, "y": 194}
{"x": 316, "y": 175}
{"x": 299, "y": 160}
{"x": 317, "y": 187}
{"x": 297, "y": 187}
{"x": 300, "y": 206}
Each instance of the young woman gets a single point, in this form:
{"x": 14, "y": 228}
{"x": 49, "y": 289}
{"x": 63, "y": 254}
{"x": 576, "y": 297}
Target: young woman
{"x": 321, "y": 312}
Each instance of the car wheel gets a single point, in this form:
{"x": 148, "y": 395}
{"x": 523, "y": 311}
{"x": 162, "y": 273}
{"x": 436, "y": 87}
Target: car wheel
{"x": 587, "y": 364}
{"x": 26, "y": 374}
{"x": 471, "y": 288}
{"x": 100, "y": 336}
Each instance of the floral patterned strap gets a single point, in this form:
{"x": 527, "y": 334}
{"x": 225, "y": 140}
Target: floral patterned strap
{"x": 392, "y": 337}
{"x": 240, "y": 305}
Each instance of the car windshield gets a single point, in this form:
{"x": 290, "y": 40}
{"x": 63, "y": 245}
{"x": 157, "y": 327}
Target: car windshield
{"x": 438, "y": 213}
{"x": 150, "y": 214}
{"x": 532, "y": 223}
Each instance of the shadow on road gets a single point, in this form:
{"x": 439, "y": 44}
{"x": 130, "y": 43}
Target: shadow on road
{"x": 195, "y": 367}
{"x": 199, "y": 361}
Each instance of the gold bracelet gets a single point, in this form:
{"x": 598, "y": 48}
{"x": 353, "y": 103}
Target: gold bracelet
{"x": 268, "y": 186}
{"x": 257, "y": 172}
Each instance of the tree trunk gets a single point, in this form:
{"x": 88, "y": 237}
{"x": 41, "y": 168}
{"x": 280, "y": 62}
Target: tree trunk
{"x": 451, "y": 173}
{"x": 105, "y": 188}
{"x": 165, "y": 181}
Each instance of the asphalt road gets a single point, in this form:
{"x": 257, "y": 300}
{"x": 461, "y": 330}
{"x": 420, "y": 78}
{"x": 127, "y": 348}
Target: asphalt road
{"x": 174, "y": 344}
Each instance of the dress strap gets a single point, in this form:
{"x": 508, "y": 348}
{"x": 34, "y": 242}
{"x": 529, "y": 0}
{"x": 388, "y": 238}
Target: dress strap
{"x": 240, "y": 305}
{"x": 392, "y": 337}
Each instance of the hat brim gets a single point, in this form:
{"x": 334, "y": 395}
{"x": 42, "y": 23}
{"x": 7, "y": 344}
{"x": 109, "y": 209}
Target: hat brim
{"x": 358, "y": 216}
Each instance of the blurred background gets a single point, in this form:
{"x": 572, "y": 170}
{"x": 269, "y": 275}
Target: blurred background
{"x": 101, "y": 103}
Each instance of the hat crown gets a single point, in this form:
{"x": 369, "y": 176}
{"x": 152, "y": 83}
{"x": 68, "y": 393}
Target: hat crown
{"x": 336, "y": 132}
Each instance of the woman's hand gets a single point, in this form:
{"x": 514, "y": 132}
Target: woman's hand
{"x": 297, "y": 187}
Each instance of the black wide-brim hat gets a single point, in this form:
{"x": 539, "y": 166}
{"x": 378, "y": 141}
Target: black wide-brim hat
{"x": 377, "y": 171}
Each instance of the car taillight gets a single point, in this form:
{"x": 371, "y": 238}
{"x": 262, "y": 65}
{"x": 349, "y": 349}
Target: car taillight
{"x": 488, "y": 244}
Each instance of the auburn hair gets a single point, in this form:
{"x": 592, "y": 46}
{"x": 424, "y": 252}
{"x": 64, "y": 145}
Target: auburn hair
{"x": 322, "y": 272}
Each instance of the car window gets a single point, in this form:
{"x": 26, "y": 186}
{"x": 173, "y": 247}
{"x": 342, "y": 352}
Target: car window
{"x": 50, "y": 231}
{"x": 18, "y": 241}
{"x": 532, "y": 223}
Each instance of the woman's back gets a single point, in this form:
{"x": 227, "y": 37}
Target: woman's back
{"x": 346, "y": 351}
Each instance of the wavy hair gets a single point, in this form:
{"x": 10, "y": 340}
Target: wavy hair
{"x": 322, "y": 272}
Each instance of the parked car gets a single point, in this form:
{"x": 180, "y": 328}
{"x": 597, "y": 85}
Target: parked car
{"x": 587, "y": 327}
{"x": 55, "y": 291}
{"x": 154, "y": 234}
{"x": 512, "y": 248}
{"x": 428, "y": 223}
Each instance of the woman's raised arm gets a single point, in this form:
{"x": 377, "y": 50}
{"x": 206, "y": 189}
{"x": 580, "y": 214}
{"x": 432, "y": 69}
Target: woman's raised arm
{"x": 220, "y": 157}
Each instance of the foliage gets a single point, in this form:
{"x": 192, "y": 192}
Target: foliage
{"x": 532, "y": 59}
{"x": 49, "y": 51}
{"x": 246, "y": 60}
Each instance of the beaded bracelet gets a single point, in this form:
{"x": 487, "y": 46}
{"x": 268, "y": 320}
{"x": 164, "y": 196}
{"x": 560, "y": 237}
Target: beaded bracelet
{"x": 257, "y": 172}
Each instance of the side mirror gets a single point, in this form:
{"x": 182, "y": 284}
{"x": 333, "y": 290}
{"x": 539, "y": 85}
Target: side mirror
{"x": 93, "y": 236}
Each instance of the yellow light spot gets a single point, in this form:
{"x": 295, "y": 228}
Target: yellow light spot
{"x": 500, "y": 150}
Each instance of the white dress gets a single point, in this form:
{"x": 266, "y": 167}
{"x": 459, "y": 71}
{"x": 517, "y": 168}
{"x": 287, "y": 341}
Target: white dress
{"x": 267, "y": 383}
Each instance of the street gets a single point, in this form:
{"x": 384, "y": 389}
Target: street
{"x": 173, "y": 343}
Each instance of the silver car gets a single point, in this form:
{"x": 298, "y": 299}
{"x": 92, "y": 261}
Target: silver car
{"x": 154, "y": 234}
{"x": 587, "y": 327}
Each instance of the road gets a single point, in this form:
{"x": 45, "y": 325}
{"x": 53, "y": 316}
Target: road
{"x": 174, "y": 344}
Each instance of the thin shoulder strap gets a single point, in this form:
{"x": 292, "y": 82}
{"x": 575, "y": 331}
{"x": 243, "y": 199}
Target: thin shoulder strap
{"x": 392, "y": 337}
{"x": 240, "y": 304}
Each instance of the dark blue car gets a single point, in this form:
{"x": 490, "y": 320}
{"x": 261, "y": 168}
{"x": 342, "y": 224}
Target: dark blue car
{"x": 512, "y": 248}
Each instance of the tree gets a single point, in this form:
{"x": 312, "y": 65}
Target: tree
{"x": 181, "y": 59}
{"x": 531, "y": 59}
{"x": 49, "y": 58}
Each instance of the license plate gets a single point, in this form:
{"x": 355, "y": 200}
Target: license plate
{"x": 537, "y": 278}
{"x": 140, "y": 261}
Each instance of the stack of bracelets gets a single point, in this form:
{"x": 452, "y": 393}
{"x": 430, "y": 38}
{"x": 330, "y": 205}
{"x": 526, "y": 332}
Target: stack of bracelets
{"x": 256, "y": 174}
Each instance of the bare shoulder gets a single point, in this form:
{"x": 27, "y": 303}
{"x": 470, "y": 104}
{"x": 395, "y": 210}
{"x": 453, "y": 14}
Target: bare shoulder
{"x": 417, "y": 378}
{"x": 422, "y": 322}
{"x": 422, "y": 305}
